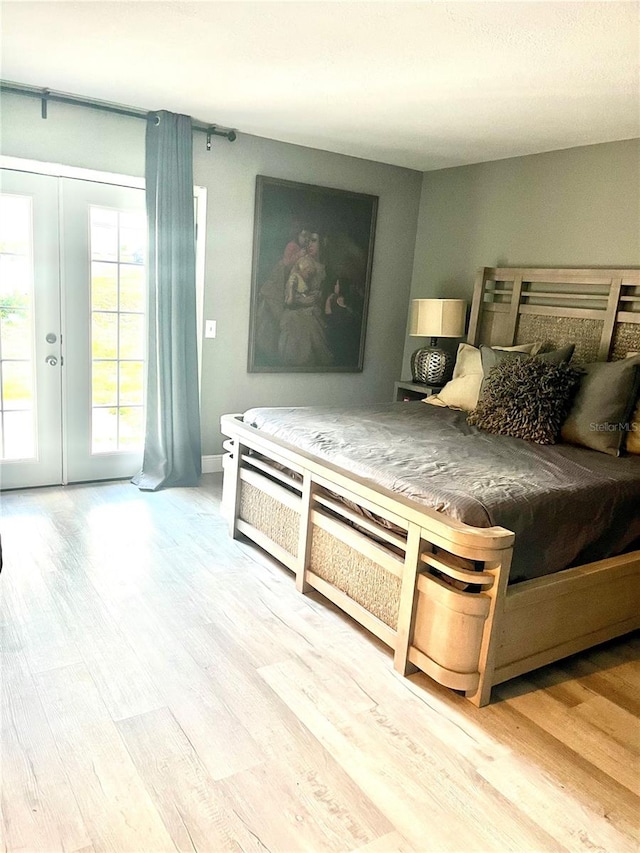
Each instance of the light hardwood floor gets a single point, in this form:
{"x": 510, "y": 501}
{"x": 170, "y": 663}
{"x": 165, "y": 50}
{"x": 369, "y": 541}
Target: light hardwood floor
{"x": 165, "y": 688}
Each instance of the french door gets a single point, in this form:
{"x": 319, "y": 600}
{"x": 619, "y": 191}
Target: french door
{"x": 72, "y": 329}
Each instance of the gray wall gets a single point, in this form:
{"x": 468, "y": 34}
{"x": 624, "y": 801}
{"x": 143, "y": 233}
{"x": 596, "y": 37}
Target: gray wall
{"x": 77, "y": 137}
{"x": 579, "y": 207}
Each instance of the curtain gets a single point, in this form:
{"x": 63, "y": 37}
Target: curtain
{"x": 172, "y": 452}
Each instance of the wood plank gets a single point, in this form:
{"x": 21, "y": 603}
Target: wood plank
{"x": 619, "y": 761}
{"x": 223, "y": 743}
{"x": 362, "y": 521}
{"x": 525, "y": 764}
{"x": 609, "y": 321}
{"x": 271, "y": 470}
{"x": 407, "y": 607}
{"x": 516, "y": 298}
{"x": 563, "y": 275}
{"x": 39, "y": 810}
{"x": 393, "y": 842}
{"x": 369, "y": 744}
{"x": 477, "y": 306}
{"x": 557, "y": 311}
{"x": 304, "y": 534}
{"x": 268, "y": 544}
{"x": 114, "y": 664}
{"x": 264, "y": 484}
{"x": 112, "y": 800}
{"x": 195, "y": 813}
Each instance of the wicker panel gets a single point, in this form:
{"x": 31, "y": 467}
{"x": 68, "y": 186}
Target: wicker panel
{"x": 626, "y": 338}
{"x": 277, "y": 521}
{"x": 356, "y": 575}
{"x": 558, "y": 331}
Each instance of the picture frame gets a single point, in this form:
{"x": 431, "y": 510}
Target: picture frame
{"x": 311, "y": 277}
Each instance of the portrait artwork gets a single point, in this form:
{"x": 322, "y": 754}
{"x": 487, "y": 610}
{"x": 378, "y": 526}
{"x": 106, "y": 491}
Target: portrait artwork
{"x": 312, "y": 257}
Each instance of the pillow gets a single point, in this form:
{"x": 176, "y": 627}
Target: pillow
{"x": 526, "y": 399}
{"x": 558, "y": 356}
{"x": 492, "y": 357}
{"x": 633, "y": 436}
{"x": 463, "y": 390}
{"x": 607, "y": 395}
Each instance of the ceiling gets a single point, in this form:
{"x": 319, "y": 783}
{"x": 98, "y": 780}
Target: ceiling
{"x": 424, "y": 85}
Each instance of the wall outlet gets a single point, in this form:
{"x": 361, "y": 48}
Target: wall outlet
{"x": 210, "y": 328}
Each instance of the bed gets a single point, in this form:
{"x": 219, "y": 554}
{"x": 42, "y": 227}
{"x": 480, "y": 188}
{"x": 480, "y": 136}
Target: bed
{"x": 468, "y": 601}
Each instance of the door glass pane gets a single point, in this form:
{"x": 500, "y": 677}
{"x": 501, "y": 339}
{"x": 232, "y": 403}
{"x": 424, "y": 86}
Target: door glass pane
{"x": 15, "y": 331}
{"x": 18, "y": 435}
{"x": 104, "y": 286}
{"x": 131, "y": 427}
{"x": 118, "y": 294}
{"x": 17, "y": 392}
{"x": 105, "y": 383}
{"x": 132, "y": 287}
{"x": 104, "y": 234}
{"x": 132, "y": 336}
{"x": 104, "y": 433}
{"x": 131, "y": 382}
{"x": 17, "y": 385}
{"x": 104, "y": 335}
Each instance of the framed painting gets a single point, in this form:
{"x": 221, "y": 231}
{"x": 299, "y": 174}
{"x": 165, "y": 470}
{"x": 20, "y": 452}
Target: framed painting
{"x": 312, "y": 258}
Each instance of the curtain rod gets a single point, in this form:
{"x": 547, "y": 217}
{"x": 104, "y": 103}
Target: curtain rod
{"x": 46, "y": 95}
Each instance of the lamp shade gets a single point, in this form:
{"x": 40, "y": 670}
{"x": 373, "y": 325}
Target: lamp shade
{"x": 438, "y": 318}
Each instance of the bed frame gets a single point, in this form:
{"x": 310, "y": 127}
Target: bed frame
{"x": 433, "y": 589}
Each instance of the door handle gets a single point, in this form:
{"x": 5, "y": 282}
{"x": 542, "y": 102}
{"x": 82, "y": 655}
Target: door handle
{"x": 52, "y": 360}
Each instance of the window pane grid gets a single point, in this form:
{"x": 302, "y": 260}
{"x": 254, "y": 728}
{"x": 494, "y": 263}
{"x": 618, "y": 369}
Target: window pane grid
{"x": 117, "y": 395}
{"x": 17, "y": 388}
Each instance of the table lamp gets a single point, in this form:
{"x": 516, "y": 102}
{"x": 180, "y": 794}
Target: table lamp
{"x": 435, "y": 318}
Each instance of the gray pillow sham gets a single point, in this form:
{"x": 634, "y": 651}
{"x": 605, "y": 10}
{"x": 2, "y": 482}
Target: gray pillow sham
{"x": 603, "y": 405}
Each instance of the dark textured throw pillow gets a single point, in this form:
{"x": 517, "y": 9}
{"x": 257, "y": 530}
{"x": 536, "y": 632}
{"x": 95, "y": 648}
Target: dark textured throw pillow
{"x": 603, "y": 406}
{"x": 491, "y": 358}
{"x": 526, "y": 399}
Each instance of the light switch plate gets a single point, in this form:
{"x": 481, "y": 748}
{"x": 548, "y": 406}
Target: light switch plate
{"x": 210, "y": 328}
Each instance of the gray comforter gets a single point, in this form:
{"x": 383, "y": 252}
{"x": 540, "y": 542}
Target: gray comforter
{"x": 566, "y": 505}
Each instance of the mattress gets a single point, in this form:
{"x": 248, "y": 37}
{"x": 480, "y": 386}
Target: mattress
{"x": 566, "y": 505}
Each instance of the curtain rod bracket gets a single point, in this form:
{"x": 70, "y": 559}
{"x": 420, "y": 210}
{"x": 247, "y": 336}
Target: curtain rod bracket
{"x": 44, "y": 103}
{"x": 212, "y": 130}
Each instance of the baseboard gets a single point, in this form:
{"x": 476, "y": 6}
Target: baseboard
{"x": 212, "y": 464}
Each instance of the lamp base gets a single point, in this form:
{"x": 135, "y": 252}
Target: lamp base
{"x": 430, "y": 365}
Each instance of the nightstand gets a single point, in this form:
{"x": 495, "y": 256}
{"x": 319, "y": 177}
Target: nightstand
{"x": 407, "y": 391}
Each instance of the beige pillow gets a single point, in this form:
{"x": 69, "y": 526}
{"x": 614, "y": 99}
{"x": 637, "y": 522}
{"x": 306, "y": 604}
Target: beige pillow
{"x": 463, "y": 390}
{"x": 633, "y": 438}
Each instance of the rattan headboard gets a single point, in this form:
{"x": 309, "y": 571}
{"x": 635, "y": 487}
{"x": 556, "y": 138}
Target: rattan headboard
{"x": 597, "y": 309}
